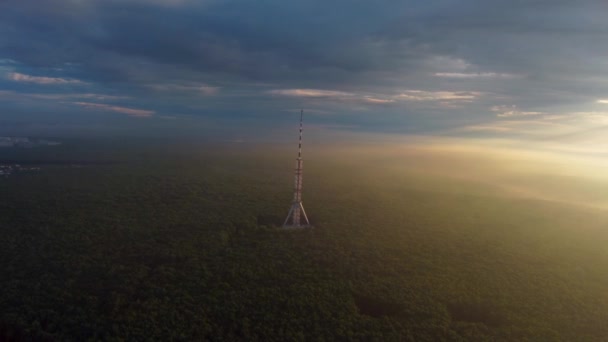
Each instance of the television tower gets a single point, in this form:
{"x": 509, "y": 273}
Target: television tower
{"x": 297, "y": 212}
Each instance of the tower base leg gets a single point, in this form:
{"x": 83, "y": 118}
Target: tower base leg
{"x": 295, "y": 215}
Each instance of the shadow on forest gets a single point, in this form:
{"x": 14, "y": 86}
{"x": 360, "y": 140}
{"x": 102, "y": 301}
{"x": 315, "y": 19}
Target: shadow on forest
{"x": 270, "y": 220}
{"x": 11, "y": 332}
{"x": 376, "y": 307}
{"x": 476, "y": 312}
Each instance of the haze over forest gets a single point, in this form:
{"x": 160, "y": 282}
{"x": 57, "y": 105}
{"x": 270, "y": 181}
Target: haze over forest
{"x": 454, "y": 170}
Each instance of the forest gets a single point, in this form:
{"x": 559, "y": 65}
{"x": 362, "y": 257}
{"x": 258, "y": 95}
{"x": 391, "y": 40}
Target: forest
{"x": 165, "y": 242}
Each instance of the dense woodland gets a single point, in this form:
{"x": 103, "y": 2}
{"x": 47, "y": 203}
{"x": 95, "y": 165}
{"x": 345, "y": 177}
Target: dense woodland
{"x": 182, "y": 243}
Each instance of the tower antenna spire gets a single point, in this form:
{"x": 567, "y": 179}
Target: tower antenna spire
{"x": 296, "y": 218}
{"x": 300, "y": 142}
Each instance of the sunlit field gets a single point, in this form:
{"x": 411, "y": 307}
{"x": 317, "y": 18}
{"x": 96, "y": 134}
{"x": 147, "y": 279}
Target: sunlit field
{"x": 412, "y": 241}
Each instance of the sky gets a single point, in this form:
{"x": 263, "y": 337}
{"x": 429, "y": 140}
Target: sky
{"x": 527, "y": 71}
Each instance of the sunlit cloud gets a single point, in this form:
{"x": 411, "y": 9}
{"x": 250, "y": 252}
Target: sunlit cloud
{"x": 512, "y": 111}
{"x": 602, "y": 101}
{"x": 421, "y": 95}
{"x": 473, "y": 75}
{"x": 592, "y": 117}
{"x": 488, "y": 128}
{"x": 340, "y": 96}
{"x": 585, "y": 132}
{"x": 18, "y": 77}
{"x": 541, "y": 127}
{"x": 124, "y": 110}
{"x": 310, "y": 93}
{"x": 369, "y": 99}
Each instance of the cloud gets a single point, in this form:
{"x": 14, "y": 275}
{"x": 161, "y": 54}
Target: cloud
{"x": 18, "y": 77}
{"x": 11, "y": 94}
{"x": 447, "y": 63}
{"x": 586, "y": 130}
{"x": 7, "y": 93}
{"x": 594, "y": 117}
{"x": 408, "y": 95}
{"x": 310, "y": 93}
{"x": 166, "y": 3}
{"x": 66, "y": 96}
{"x": 340, "y": 96}
{"x": 445, "y": 99}
{"x": 308, "y": 110}
{"x": 98, "y": 97}
{"x": 488, "y": 127}
{"x": 525, "y": 130}
{"x": 422, "y": 95}
{"x": 512, "y": 111}
{"x": 141, "y": 113}
{"x": 452, "y": 59}
{"x": 203, "y": 89}
{"x": 473, "y": 75}
{"x": 369, "y": 99}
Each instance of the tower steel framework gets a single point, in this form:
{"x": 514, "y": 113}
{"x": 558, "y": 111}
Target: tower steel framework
{"x": 296, "y": 218}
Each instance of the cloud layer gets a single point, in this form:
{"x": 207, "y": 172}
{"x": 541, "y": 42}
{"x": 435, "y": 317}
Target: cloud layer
{"x": 17, "y": 77}
{"x": 396, "y": 66}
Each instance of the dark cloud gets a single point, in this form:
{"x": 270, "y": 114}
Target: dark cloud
{"x": 238, "y": 57}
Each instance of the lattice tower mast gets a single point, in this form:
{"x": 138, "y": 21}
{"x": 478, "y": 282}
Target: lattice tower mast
{"x": 297, "y": 212}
